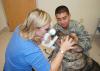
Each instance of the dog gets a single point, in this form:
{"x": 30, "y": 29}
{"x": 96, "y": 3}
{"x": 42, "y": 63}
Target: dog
{"x": 74, "y": 59}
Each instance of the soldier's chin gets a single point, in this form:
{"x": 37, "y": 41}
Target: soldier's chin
{"x": 64, "y": 27}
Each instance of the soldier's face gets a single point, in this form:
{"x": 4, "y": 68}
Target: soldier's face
{"x": 63, "y": 19}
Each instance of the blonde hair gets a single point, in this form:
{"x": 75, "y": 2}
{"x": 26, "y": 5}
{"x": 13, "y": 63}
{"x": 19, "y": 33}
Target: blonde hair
{"x": 36, "y": 18}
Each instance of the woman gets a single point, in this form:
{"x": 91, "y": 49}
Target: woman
{"x": 23, "y": 52}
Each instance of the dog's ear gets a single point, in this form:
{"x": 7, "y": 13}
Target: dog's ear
{"x": 74, "y": 36}
{"x": 78, "y": 49}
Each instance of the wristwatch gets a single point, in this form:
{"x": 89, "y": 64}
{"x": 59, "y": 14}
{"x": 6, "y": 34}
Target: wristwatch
{"x": 61, "y": 51}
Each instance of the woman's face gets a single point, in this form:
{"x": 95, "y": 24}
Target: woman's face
{"x": 41, "y": 31}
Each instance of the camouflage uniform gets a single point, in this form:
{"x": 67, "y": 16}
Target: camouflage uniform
{"x": 83, "y": 36}
{"x": 73, "y": 61}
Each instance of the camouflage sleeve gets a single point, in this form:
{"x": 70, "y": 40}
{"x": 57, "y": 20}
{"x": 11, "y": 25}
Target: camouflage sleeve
{"x": 84, "y": 38}
{"x": 55, "y": 26}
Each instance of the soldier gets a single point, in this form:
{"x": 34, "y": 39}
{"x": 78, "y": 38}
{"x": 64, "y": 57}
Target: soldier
{"x": 67, "y": 26}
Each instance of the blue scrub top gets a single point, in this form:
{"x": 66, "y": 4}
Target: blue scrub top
{"x": 23, "y": 55}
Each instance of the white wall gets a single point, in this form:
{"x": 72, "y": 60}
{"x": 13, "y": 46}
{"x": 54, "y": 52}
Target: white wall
{"x": 86, "y": 11}
{"x": 3, "y": 22}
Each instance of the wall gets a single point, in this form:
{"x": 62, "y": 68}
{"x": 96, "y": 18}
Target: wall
{"x": 85, "y": 11}
{"x": 3, "y": 22}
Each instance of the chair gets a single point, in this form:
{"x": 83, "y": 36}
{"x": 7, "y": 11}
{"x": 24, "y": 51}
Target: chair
{"x": 97, "y": 30}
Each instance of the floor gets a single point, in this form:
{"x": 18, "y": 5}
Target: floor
{"x": 5, "y": 36}
{"x": 4, "y": 39}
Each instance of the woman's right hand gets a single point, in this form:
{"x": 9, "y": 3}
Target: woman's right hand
{"x": 66, "y": 44}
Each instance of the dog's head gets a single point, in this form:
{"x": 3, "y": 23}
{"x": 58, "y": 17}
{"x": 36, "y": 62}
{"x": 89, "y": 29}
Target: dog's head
{"x": 74, "y": 36}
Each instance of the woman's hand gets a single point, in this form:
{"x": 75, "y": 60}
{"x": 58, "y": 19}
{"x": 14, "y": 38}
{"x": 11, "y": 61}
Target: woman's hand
{"x": 66, "y": 44}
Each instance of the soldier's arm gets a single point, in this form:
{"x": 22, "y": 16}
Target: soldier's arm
{"x": 84, "y": 38}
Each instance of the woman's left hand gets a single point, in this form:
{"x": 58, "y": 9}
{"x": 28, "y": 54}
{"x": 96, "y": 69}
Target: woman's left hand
{"x": 67, "y": 44}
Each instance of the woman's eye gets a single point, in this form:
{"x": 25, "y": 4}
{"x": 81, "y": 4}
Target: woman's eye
{"x": 38, "y": 27}
{"x": 47, "y": 29}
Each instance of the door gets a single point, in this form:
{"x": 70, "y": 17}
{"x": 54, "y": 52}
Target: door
{"x": 16, "y": 11}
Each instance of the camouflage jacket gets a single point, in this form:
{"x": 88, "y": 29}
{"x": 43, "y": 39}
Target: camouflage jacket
{"x": 75, "y": 27}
